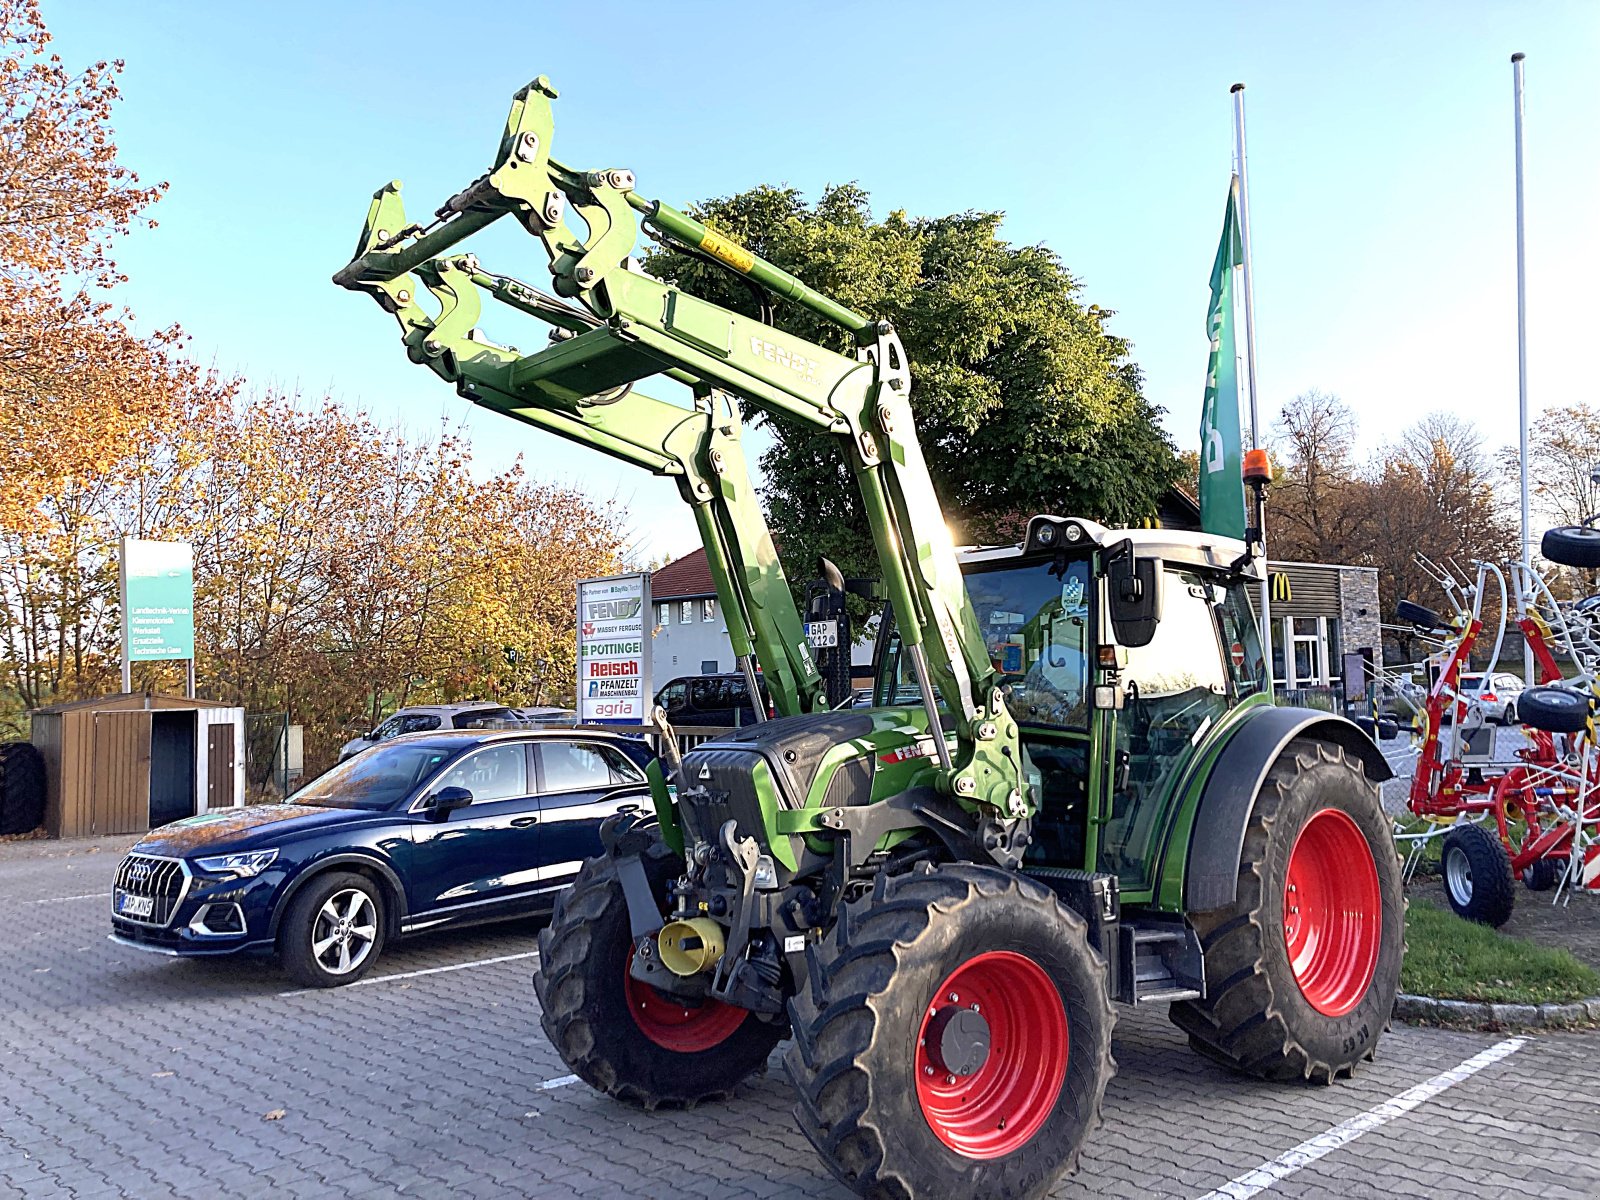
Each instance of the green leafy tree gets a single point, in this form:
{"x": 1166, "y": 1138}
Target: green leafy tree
{"x": 1024, "y": 402}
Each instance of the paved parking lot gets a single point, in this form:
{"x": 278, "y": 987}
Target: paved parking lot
{"x": 125, "y": 1074}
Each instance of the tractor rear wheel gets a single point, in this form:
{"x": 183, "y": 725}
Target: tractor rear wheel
{"x": 1303, "y": 968}
{"x": 619, "y": 1035}
{"x": 954, "y": 1038}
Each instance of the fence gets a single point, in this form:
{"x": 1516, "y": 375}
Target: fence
{"x": 266, "y": 775}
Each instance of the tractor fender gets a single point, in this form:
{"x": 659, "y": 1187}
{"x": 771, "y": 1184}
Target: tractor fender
{"x": 1211, "y": 877}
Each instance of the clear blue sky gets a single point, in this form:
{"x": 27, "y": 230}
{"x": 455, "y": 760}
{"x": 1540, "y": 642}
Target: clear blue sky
{"x": 1380, "y": 140}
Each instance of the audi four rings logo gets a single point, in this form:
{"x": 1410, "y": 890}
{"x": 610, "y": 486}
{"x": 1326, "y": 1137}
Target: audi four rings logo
{"x": 139, "y": 872}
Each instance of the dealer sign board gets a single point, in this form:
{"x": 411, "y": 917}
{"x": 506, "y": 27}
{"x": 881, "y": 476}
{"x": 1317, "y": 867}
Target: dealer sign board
{"x": 614, "y": 626}
{"x": 157, "y": 600}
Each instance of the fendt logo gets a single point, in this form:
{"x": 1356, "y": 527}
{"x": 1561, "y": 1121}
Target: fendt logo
{"x": 613, "y": 610}
{"x": 805, "y": 367}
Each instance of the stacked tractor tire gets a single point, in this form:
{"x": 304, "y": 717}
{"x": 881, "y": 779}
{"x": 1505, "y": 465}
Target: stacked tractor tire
{"x": 21, "y": 788}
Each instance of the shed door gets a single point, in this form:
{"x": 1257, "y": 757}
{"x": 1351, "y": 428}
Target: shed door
{"x": 120, "y": 794}
{"x": 219, "y": 766}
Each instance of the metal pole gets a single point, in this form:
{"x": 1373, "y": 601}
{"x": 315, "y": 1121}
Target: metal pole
{"x": 1250, "y": 362}
{"x": 122, "y": 588}
{"x": 1522, "y": 355}
{"x": 191, "y": 679}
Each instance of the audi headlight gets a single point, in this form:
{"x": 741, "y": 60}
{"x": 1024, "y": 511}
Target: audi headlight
{"x": 242, "y": 865}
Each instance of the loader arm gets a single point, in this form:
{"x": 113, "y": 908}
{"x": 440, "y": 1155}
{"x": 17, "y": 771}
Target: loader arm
{"x": 625, "y": 327}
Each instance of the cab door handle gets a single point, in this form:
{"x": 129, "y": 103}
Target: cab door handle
{"x": 523, "y": 822}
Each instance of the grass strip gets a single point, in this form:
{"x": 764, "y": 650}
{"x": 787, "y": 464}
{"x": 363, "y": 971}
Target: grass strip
{"x": 1451, "y": 959}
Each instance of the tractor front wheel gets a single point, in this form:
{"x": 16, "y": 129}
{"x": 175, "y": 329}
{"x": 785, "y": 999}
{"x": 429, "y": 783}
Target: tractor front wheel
{"x": 619, "y": 1035}
{"x": 954, "y": 1038}
{"x": 1303, "y": 968}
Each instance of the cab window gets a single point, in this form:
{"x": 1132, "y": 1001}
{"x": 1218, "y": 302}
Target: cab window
{"x": 1035, "y": 623}
{"x": 1175, "y": 689}
{"x": 1241, "y": 639}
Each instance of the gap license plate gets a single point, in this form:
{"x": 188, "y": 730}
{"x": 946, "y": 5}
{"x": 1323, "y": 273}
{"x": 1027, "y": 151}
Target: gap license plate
{"x": 135, "y": 906}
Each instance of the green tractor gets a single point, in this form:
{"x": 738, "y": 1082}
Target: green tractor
{"x": 1073, "y": 787}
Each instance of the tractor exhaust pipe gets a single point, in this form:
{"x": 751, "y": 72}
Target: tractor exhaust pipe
{"x": 690, "y": 946}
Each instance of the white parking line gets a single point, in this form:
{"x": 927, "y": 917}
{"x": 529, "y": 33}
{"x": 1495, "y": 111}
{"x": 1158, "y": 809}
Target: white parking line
{"x": 64, "y": 899}
{"x": 1254, "y": 1182}
{"x": 482, "y": 962}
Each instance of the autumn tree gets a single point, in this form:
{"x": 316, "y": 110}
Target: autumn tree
{"x": 76, "y": 385}
{"x": 1564, "y": 457}
{"x": 1024, "y": 399}
{"x": 1431, "y": 493}
{"x": 1313, "y": 509}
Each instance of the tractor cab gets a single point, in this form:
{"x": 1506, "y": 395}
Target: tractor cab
{"x": 1118, "y": 651}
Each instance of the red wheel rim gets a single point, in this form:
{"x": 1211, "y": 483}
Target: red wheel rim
{"x": 679, "y": 1027}
{"x": 1332, "y": 912}
{"x": 1000, "y": 1106}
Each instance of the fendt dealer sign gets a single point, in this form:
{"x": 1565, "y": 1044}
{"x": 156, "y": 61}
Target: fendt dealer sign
{"x": 614, "y": 650}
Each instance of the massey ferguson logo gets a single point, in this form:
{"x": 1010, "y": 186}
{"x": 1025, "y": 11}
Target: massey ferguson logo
{"x": 805, "y": 367}
{"x": 613, "y": 610}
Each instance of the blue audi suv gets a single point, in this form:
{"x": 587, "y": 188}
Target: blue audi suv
{"x": 420, "y": 832}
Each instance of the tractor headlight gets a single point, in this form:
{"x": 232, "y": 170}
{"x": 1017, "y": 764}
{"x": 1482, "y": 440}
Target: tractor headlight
{"x": 241, "y": 866}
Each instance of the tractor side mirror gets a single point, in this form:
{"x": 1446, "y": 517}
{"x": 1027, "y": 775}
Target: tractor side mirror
{"x": 1134, "y": 593}
{"x": 831, "y": 575}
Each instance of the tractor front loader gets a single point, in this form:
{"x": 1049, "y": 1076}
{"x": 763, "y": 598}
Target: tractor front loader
{"x": 1072, "y": 788}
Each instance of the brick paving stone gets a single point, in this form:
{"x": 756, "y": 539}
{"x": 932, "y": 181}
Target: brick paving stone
{"x": 422, "y": 1087}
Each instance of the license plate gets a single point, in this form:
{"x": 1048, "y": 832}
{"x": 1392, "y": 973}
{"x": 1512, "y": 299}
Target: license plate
{"x": 135, "y": 906}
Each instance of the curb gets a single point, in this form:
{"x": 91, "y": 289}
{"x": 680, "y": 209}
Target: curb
{"x": 1554, "y": 1016}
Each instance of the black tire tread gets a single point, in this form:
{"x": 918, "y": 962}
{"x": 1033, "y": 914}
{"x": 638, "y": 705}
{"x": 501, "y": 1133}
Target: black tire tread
{"x": 1554, "y": 709}
{"x": 294, "y": 952}
{"x": 835, "y": 1019}
{"x": 22, "y": 788}
{"x": 1494, "y": 893}
{"x": 561, "y": 985}
{"x": 1240, "y": 1024}
{"x": 1572, "y": 545}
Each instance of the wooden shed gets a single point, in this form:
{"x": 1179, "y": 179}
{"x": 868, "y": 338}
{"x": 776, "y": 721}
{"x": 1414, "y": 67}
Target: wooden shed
{"x": 130, "y": 762}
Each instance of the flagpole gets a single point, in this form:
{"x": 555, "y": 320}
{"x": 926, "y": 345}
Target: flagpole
{"x": 1522, "y": 355}
{"x": 1250, "y": 360}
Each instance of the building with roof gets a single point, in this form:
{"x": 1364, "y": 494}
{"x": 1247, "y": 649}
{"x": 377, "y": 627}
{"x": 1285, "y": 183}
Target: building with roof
{"x": 690, "y": 636}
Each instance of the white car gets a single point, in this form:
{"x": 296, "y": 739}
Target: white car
{"x": 1497, "y": 699}
{"x": 425, "y": 718}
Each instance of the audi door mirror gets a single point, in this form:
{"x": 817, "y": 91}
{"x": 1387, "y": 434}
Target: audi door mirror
{"x": 446, "y": 800}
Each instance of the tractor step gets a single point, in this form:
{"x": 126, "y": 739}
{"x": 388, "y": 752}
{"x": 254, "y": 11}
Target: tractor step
{"x": 1094, "y": 896}
{"x": 1161, "y": 962}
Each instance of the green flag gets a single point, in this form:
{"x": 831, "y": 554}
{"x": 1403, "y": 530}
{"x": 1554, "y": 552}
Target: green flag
{"x": 1221, "y": 451}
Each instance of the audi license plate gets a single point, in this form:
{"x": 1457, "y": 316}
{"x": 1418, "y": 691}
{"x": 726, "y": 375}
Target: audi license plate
{"x": 135, "y": 906}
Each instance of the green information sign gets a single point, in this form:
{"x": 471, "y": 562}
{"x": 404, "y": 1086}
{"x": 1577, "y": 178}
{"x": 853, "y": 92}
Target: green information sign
{"x": 157, "y": 600}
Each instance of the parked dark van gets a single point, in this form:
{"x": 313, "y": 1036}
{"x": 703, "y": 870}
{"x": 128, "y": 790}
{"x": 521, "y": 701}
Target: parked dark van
{"x": 710, "y": 700}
